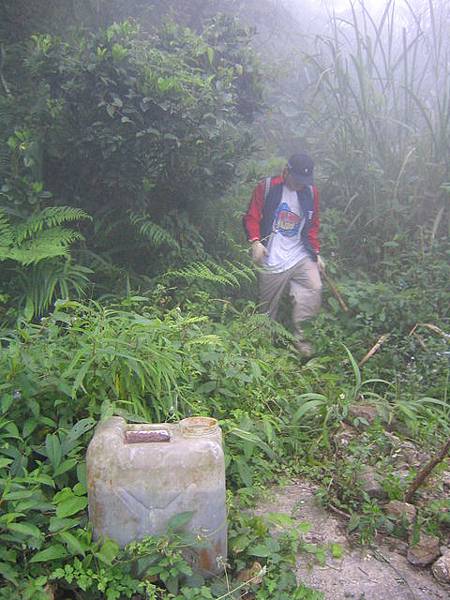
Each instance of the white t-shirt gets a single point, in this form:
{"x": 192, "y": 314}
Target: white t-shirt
{"x": 285, "y": 247}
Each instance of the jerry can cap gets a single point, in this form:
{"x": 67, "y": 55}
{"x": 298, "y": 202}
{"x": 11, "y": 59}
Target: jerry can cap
{"x": 199, "y": 426}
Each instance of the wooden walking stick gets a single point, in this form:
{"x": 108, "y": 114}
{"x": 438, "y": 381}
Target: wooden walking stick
{"x": 335, "y": 291}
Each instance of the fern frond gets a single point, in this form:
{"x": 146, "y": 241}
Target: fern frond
{"x": 154, "y": 233}
{"x": 6, "y": 231}
{"x": 228, "y": 274}
{"x": 51, "y": 216}
{"x": 4, "y": 161}
{"x": 49, "y": 244}
{"x": 262, "y": 322}
{"x": 240, "y": 270}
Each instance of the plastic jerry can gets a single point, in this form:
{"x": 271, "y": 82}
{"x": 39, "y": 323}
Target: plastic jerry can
{"x": 139, "y": 476}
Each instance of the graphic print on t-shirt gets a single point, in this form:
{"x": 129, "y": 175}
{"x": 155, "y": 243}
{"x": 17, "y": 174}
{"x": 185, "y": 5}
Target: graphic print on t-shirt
{"x": 285, "y": 247}
{"x": 286, "y": 222}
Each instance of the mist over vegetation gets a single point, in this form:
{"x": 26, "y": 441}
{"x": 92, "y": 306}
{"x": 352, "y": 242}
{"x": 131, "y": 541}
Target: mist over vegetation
{"x": 131, "y": 137}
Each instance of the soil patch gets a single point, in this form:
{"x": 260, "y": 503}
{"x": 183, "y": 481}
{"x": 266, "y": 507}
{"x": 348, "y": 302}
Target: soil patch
{"x": 375, "y": 573}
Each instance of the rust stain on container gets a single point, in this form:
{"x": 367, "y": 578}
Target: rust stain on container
{"x": 145, "y": 436}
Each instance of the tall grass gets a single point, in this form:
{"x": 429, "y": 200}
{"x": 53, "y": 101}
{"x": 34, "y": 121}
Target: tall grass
{"x": 379, "y": 108}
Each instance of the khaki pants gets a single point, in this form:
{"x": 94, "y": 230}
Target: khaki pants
{"x": 304, "y": 289}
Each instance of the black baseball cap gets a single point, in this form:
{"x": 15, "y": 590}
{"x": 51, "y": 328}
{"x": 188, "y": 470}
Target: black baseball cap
{"x": 301, "y": 167}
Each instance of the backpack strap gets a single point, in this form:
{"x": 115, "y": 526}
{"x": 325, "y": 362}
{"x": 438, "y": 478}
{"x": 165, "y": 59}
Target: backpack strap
{"x": 267, "y": 183}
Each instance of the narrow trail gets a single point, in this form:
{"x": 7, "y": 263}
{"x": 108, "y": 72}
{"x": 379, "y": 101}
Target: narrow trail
{"x": 378, "y": 573}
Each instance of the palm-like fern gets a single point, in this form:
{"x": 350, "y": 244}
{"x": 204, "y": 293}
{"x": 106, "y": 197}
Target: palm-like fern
{"x": 154, "y": 233}
{"x": 42, "y": 283}
{"x": 39, "y": 237}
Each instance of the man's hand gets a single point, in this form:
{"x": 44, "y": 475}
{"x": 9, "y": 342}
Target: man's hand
{"x": 259, "y": 252}
{"x": 321, "y": 264}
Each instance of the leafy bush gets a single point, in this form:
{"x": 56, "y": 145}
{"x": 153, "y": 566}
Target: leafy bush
{"x": 86, "y": 361}
{"x": 158, "y": 129}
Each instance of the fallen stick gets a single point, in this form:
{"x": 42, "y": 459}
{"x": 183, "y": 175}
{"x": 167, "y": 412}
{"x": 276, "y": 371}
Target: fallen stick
{"x": 431, "y": 327}
{"x": 420, "y": 340}
{"x": 335, "y": 291}
{"x": 424, "y": 473}
{"x": 339, "y": 512}
{"x": 374, "y": 349}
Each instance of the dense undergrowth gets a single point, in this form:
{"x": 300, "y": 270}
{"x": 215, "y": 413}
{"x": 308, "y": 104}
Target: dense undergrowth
{"x": 150, "y": 358}
{"x": 129, "y": 155}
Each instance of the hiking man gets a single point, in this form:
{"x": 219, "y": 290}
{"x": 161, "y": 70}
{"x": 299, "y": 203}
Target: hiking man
{"x": 282, "y": 223}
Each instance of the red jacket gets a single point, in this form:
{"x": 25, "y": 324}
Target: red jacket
{"x": 258, "y": 220}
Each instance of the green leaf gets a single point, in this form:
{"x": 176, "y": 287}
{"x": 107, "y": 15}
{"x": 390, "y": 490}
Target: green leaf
{"x": 8, "y": 573}
{"x": 79, "y": 429}
{"x": 79, "y": 489}
{"x": 180, "y": 520}
{"x": 81, "y": 474}
{"x": 239, "y": 543}
{"x": 44, "y": 479}
{"x": 207, "y": 387}
{"x": 311, "y": 406}
{"x": 303, "y": 527}
{"x": 29, "y": 426}
{"x": 273, "y": 544}
{"x": 253, "y": 438}
{"x": 74, "y": 545}
{"x": 71, "y": 506}
{"x": 337, "y": 551}
{"x": 26, "y": 529}
{"x": 354, "y": 522}
{"x": 62, "y": 495}
{"x": 57, "y": 524}
{"x": 4, "y": 462}
{"x": 65, "y": 466}
{"x": 10, "y": 517}
{"x": 6, "y": 401}
{"x": 356, "y": 369}
{"x": 53, "y": 552}
{"x": 280, "y": 519}
{"x": 260, "y": 550}
{"x": 245, "y": 472}
{"x": 29, "y": 310}
{"x": 18, "y": 494}
{"x": 54, "y": 450}
{"x": 108, "y": 552}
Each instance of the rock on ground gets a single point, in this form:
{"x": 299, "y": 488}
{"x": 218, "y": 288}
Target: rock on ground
{"x": 425, "y": 551}
{"x": 361, "y": 574}
{"x": 401, "y": 511}
{"x": 370, "y": 482}
{"x": 441, "y": 568}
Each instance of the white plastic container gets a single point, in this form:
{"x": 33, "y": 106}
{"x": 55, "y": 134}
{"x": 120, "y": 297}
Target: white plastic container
{"x": 139, "y": 476}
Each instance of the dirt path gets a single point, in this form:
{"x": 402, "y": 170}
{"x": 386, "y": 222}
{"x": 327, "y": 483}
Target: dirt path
{"x": 361, "y": 574}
